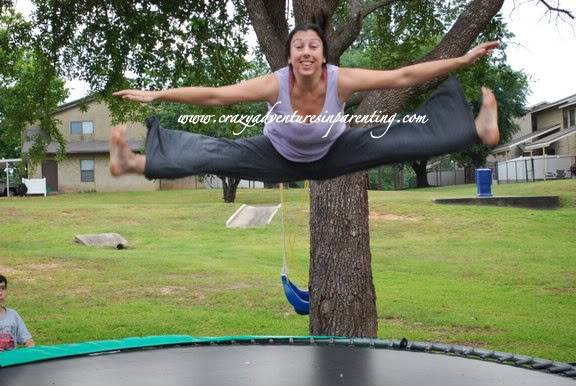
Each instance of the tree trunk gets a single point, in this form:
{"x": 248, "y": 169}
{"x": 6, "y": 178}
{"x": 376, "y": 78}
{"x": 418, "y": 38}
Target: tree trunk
{"x": 342, "y": 297}
{"x": 468, "y": 174}
{"x": 419, "y": 168}
{"x": 229, "y": 186}
{"x": 380, "y": 182}
{"x": 398, "y": 175}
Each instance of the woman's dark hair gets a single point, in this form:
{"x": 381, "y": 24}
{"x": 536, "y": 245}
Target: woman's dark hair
{"x": 3, "y": 280}
{"x": 317, "y": 25}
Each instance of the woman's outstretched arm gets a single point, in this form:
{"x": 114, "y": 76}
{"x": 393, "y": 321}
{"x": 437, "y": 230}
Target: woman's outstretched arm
{"x": 261, "y": 89}
{"x": 351, "y": 80}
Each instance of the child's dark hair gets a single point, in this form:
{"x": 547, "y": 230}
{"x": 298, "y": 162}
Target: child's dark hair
{"x": 317, "y": 25}
{"x": 3, "y": 280}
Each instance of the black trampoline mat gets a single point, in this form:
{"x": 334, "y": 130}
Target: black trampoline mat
{"x": 272, "y": 365}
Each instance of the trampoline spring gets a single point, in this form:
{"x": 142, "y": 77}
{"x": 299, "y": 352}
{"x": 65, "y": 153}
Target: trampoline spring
{"x": 559, "y": 368}
{"x": 523, "y": 362}
{"x": 418, "y": 346}
{"x": 403, "y": 344}
{"x": 479, "y": 353}
{"x": 440, "y": 347}
{"x": 361, "y": 342}
{"x": 539, "y": 365}
{"x": 459, "y": 350}
{"x": 489, "y": 355}
{"x": 503, "y": 357}
{"x": 468, "y": 352}
{"x": 381, "y": 344}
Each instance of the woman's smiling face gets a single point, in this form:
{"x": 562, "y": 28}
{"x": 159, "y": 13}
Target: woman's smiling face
{"x": 306, "y": 53}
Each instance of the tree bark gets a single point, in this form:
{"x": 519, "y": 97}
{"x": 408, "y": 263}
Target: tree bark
{"x": 342, "y": 296}
{"x": 419, "y": 168}
{"x": 398, "y": 170}
{"x": 229, "y": 186}
{"x": 380, "y": 182}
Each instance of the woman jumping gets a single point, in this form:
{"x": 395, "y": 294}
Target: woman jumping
{"x": 309, "y": 87}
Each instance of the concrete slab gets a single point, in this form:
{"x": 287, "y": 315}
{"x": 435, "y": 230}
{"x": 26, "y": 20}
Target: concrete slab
{"x": 248, "y": 216}
{"x": 533, "y": 202}
{"x": 113, "y": 240}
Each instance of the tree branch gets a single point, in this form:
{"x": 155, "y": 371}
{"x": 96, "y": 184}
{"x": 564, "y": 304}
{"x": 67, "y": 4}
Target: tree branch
{"x": 271, "y": 27}
{"x": 456, "y": 42}
{"x": 346, "y": 36}
{"x": 304, "y": 10}
{"x": 556, "y": 9}
{"x": 350, "y": 28}
{"x": 356, "y": 98}
{"x": 369, "y": 8}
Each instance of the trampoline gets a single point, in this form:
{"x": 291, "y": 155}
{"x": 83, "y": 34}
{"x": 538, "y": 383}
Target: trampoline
{"x": 245, "y": 360}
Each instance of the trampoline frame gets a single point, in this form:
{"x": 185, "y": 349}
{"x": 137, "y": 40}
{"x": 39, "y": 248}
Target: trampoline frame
{"x": 44, "y": 353}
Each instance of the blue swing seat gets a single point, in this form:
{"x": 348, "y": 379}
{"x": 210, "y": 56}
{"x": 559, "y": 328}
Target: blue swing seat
{"x": 299, "y": 299}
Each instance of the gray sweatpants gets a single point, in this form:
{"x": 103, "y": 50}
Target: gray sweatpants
{"x": 450, "y": 127}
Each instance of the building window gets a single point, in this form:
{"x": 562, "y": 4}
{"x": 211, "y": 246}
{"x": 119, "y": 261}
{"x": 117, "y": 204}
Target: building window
{"x": 572, "y": 118}
{"x": 81, "y": 127}
{"x": 565, "y": 118}
{"x": 87, "y": 170}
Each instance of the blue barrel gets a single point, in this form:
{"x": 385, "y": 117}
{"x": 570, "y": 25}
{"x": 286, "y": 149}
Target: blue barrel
{"x": 484, "y": 182}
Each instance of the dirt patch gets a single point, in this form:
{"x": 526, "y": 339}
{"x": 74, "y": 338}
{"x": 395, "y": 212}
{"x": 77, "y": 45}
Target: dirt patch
{"x": 561, "y": 290}
{"x": 69, "y": 212}
{"x": 171, "y": 294}
{"x": 30, "y": 272}
{"x": 43, "y": 266}
{"x": 10, "y": 213}
{"x": 391, "y": 217}
{"x": 235, "y": 287}
{"x": 171, "y": 290}
{"x": 5, "y": 270}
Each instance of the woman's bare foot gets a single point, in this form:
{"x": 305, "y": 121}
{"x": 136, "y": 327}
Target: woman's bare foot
{"x": 122, "y": 159}
{"x": 487, "y": 119}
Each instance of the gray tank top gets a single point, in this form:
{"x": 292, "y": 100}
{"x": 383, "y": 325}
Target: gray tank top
{"x": 299, "y": 141}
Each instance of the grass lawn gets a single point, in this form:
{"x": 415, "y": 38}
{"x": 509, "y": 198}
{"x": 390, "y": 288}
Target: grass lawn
{"x": 497, "y": 278}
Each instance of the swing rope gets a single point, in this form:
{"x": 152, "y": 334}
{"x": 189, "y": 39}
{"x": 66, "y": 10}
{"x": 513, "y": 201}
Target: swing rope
{"x": 298, "y": 298}
{"x": 284, "y": 241}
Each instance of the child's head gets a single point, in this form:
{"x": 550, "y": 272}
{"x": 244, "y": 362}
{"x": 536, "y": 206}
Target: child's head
{"x": 3, "y": 286}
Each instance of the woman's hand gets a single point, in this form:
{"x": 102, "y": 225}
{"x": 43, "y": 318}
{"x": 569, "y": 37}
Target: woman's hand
{"x": 137, "y": 95}
{"x": 477, "y": 52}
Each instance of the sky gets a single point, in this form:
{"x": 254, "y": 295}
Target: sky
{"x": 543, "y": 47}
